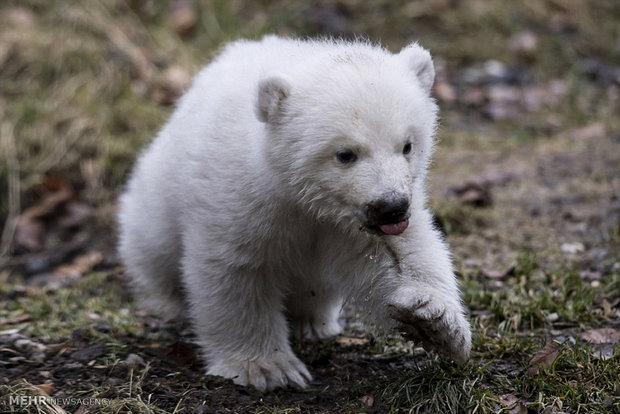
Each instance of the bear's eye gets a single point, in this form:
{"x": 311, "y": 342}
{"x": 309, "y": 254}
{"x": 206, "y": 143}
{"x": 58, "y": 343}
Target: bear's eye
{"x": 346, "y": 156}
{"x": 407, "y": 148}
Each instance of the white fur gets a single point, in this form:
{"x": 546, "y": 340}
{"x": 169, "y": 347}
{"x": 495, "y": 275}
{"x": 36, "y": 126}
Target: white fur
{"x": 240, "y": 215}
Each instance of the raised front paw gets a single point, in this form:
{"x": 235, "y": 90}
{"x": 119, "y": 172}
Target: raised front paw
{"x": 278, "y": 370}
{"x": 439, "y": 326}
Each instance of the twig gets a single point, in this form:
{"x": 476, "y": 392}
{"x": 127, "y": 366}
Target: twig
{"x": 7, "y": 139}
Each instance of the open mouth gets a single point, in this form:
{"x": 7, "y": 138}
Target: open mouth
{"x": 390, "y": 229}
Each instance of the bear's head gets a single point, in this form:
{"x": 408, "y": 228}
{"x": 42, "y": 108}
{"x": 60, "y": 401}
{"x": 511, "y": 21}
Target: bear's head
{"x": 352, "y": 133}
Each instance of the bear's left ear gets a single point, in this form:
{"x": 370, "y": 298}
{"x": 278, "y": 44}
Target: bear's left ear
{"x": 272, "y": 92}
{"x": 419, "y": 60}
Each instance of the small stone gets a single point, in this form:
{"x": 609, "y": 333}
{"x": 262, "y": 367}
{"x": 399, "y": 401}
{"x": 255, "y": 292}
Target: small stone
{"x": 524, "y": 42}
{"x": 26, "y": 345}
{"x": 38, "y": 357}
{"x": 134, "y": 360}
{"x": 572, "y": 248}
{"x": 552, "y": 317}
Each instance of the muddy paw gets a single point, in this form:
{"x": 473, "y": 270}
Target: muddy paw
{"x": 437, "y": 326}
{"x": 278, "y": 370}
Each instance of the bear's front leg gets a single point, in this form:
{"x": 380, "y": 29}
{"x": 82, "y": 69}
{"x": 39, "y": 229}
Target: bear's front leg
{"x": 426, "y": 302}
{"x": 238, "y": 318}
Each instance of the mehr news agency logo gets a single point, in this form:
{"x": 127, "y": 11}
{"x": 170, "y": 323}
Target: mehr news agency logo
{"x": 42, "y": 400}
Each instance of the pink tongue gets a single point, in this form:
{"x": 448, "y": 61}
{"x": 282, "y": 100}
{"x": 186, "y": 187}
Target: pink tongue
{"x": 394, "y": 229}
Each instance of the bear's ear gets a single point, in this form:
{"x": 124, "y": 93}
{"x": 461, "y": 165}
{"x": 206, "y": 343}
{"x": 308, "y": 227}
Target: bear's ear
{"x": 272, "y": 92}
{"x": 420, "y": 62}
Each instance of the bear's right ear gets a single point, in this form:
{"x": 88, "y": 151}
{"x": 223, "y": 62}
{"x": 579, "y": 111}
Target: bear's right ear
{"x": 272, "y": 92}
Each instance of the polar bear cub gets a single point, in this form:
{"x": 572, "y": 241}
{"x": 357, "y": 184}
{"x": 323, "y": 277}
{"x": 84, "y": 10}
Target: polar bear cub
{"x": 289, "y": 180}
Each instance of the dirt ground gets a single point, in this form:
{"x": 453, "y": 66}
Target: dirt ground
{"x": 525, "y": 184}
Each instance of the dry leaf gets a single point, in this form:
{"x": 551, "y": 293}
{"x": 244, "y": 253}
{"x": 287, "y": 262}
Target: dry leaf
{"x": 171, "y": 85}
{"x": 590, "y": 275}
{"x": 20, "y": 16}
{"x": 512, "y": 404}
{"x": 183, "y": 17}
{"x": 519, "y": 408}
{"x": 79, "y": 266}
{"x": 593, "y": 131}
{"x": 75, "y": 214}
{"x": 499, "y": 274}
{"x": 368, "y": 400}
{"x": 476, "y": 189}
{"x": 444, "y": 91}
{"x": 601, "y": 336}
{"x": 30, "y": 226}
{"x": 82, "y": 410}
{"x": 142, "y": 65}
{"x": 473, "y": 96}
{"x": 15, "y": 319}
{"x": 48, "y": 388}
{"x": 350, "y": 341}
{"x": 58, "y": 348}
{"x": 507, "y": 400}
{"x": 543, "y": 358}
{"x": 473, "y": 193}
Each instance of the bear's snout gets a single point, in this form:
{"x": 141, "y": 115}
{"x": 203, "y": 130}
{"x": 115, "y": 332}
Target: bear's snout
{"x": 389, "y": 214}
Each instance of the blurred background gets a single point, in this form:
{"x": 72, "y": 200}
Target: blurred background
{"x": 84, "y": 85}
{"x": 525, "y": 183}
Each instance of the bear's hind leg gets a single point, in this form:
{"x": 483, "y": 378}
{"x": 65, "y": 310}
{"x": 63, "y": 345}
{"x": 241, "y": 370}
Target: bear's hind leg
{"x": 154, "y": 273}
{"x": 314, "y": 314}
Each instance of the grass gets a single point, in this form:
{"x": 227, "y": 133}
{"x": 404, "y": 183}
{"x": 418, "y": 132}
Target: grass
{"x": 78, "y": 98}
{"x": 55, "y": 313}
{"x": 577, "y": 381}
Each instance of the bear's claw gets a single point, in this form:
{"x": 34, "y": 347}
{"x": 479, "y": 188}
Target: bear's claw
{"x": 435, "y": 326}
{"x": 278, "y": 370}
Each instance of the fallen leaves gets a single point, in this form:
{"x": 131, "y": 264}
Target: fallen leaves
{"x": 368, "y": 400}
{"x": 79, "y": 265}
{"x": 601, "y": 336}
{"x": 499, "y": 274}
{"x": 16, "y": 348}
{"x": 595, "y": 130}
{"x": 171, "y": 84}
{"x": 183, "y": 18}
{"x": 56, "y": 206}
{"x": 20, "y": 16}
{"x": 52, "y": 237}
{"x": 473, "y": 193}
{"x": 47, "y": 388}
{"x": 543, "y": 359}
{"x": 15, "y": 319}
{"x": 476, "y": 190}
{"x": 351, "y": 341}
{"x": 443, "y": 90}
{"x": 500, "y": 91}
{"x": 512, "y": 404}
{"x": 31, "y": 224}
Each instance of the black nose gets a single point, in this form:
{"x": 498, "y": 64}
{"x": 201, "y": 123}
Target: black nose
{"x": 389, "y": 209}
